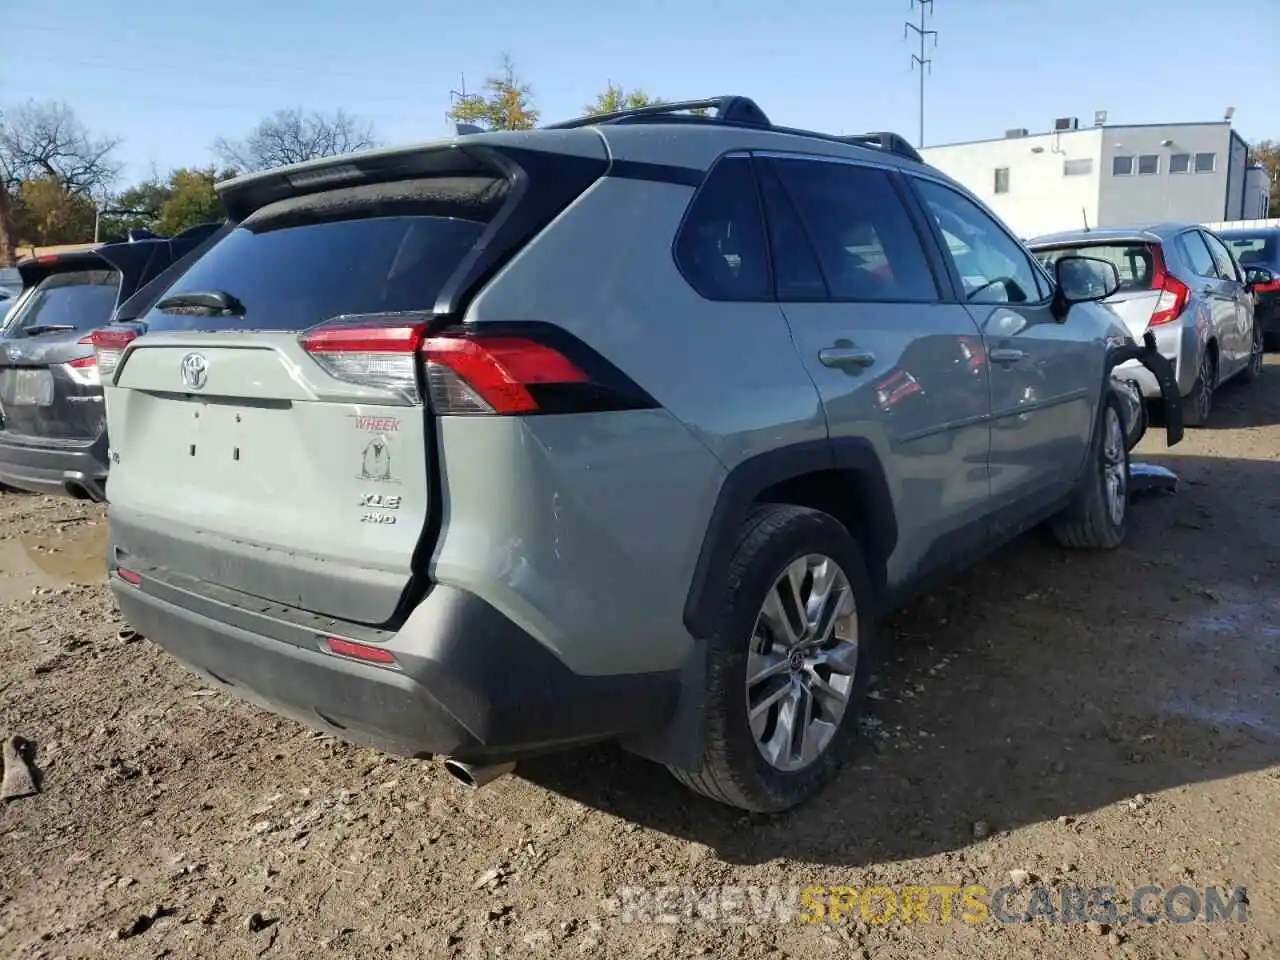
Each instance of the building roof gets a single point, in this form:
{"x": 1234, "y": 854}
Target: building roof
{"x": 1105, "y": 126}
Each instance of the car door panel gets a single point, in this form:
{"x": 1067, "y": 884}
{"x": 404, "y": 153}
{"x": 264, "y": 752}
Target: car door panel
{"x": 894, "y": 360}
{"x": 1231, "y": 313}
{"x": 1045, "y": 375}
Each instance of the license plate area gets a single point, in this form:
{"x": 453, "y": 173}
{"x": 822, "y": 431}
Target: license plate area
{"x": 26, "y": 388}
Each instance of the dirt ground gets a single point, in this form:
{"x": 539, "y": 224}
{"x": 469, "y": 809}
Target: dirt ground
{"x": 1110, "y": 720}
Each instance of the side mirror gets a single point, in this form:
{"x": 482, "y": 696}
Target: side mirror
{"x": 1255, "y": 277}
{"x": 1084, "y": 279}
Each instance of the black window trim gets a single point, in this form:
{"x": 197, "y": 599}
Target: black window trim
{"x": 1036, "y": 266}
{"x": 771, "y": 289}
{"x": 945, "y": 290}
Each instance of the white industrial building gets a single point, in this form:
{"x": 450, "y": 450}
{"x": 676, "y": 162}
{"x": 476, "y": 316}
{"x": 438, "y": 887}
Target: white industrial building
{"x": 1108, "y": 175}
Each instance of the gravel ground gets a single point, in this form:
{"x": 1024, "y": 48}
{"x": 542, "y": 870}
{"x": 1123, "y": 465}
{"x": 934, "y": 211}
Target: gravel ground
{"x": 1048, "y": 719}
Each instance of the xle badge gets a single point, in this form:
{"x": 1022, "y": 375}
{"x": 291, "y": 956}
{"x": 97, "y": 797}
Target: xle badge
{"x": 375, "y": 463}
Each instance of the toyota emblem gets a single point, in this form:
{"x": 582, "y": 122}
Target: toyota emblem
{"x": 195, "y": 371}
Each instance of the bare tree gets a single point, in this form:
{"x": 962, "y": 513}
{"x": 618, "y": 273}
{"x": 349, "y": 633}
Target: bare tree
{"x": 46, "y": 140}
{"x": 291, "y": 136}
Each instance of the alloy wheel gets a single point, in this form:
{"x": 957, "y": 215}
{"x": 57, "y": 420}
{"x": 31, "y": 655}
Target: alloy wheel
{"x": 1204, "y": 401}
{"x": 802, "y": 662}
{"x": 1115, "y": 482}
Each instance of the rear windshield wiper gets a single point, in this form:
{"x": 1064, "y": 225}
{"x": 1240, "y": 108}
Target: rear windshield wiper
{"x": 202, "y": 301}
{"x": 38, "y": 328}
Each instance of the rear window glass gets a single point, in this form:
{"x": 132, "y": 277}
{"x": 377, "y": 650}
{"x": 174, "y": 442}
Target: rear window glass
{"x": 1258, "y": 250}
{"x": 294, "y": 277}
{"x": 1133, "y": 261}
{"x": 74, "y": 299}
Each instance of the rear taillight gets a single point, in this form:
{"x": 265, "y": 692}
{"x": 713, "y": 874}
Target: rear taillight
{"x": 374, "y": 351}
{"x": 1174, "y": 294}
{"x": 504, "y": 369}
{"x": 85, "y": 370}
{"x": 1272, "y": 287}
{"x": 110, "y": 345}
{"x": 493, "y": 374}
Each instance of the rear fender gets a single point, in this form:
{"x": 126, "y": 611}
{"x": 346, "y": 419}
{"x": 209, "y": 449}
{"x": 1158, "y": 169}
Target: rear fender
{"x": 1147, "y": 354}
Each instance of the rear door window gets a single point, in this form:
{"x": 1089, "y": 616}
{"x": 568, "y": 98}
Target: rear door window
{"x": 1134, "y": 262}
{"x": 72, "y": 299}
{"x": 866, "y": 244}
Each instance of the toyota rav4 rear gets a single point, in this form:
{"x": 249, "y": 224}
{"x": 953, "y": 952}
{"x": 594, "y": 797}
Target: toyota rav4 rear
{"x": 366, "y": 520}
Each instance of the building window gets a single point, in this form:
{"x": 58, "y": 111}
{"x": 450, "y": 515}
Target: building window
{"x": 1122, "y": 166}
{"x": 1077, "y": 168}
{"x": 1002, "y": 179}
{"x": 1206, "y": 162}
{"x": 1180, "y": 163}
{"x": 1148, "y": 164}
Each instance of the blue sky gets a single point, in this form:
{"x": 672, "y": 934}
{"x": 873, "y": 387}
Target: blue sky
{"x": 168, "y": 77}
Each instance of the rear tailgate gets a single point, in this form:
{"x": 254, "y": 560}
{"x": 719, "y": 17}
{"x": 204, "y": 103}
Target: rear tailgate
{"x": 48, "y": 381}
{"x": 272, "y": 478}
{"x": 246, "y": 457}
{"x": 1137, "y": 265}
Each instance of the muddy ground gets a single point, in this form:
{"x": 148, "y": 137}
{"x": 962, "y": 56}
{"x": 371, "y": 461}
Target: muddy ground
{"x": 1111, "y": 719}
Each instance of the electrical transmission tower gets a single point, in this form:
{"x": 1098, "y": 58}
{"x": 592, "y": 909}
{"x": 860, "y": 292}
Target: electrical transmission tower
{"x": 919, "y": 61}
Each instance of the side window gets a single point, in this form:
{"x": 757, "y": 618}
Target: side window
{"x": 1194, "y": 251}
{"x": 865, "y": 241}
{"x": 1222, "y": 257}
{"x": 721, "y": 247}
{"x": 795, "y": 265}
{"x": 993, "y": 267}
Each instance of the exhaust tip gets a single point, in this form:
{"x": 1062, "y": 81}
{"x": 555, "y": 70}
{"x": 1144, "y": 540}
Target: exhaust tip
{"x": 477, "y": 776}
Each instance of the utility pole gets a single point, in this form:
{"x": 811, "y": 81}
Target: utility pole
{"x": 920, "y": 61}
{"x": 455, "y": 96}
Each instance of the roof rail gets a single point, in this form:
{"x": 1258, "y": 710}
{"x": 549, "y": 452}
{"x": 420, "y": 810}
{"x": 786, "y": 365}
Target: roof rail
{"x": 735, "y": 111}
{"x": 727, "y": 109}
{"x": 885, "y": 140}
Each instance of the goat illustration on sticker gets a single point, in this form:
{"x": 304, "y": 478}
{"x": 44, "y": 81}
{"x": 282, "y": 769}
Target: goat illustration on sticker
{"x": 375, "y": 464}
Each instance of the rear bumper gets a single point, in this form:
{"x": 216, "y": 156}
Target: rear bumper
{"x": 468, "y": 682}
{"x": 78, "y": 471}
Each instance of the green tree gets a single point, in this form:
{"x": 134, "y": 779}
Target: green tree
{"x": 47, "y": 214}
{"x": 614, "y": 98}
{"x": 505, "y": 104}
{"x": 137, "y": 208}
{"x": 192, "y": 200}
{"x": 1267, "y": 153}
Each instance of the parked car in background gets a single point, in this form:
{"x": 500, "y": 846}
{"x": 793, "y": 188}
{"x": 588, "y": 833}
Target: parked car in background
{"x": 52, "y": 424}
{"x": 1259, "y": 249}
{"x": 435, "y": 458}
{"x": 1179, "y": 281}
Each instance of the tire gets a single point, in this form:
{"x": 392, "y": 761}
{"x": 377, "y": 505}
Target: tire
{"x": 1257, "y": 356}
{"x": 1199, "y": 402}
{"x": 1096, "y": 518}
{"x": 776, "y": 539}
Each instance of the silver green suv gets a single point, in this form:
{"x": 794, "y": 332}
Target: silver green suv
{"x": 623, "y": 429}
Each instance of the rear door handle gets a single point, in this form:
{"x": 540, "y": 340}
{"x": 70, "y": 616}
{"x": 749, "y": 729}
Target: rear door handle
{"x": 846, "y": 358}
{"x": 1006, "y": 355}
